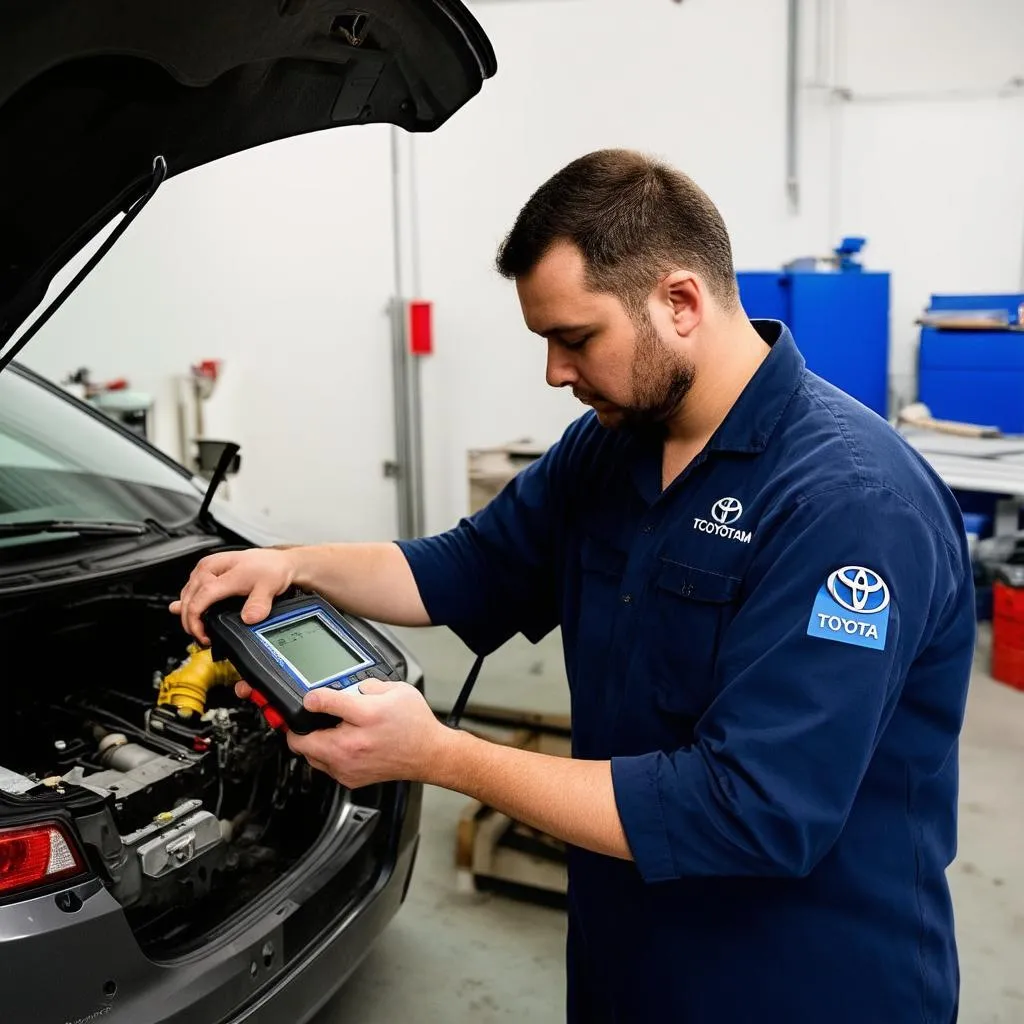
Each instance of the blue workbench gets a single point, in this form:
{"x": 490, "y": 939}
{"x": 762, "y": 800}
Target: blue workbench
{"x": 975, "y": 376}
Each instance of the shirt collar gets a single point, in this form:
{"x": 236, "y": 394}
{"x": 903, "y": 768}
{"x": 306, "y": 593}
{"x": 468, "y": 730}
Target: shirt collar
{"x": 756, "y": 413}
{"x": 752, "y": 419}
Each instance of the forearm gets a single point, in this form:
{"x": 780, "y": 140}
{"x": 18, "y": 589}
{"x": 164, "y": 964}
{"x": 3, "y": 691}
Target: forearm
{"x": 370, "y": 580}
{"x": 572, "y": 800}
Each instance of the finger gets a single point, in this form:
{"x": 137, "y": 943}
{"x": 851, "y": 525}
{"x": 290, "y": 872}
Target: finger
{"x": 175, "y": 607}
{"x": 188, "y": 592}
{"x": 206, "y": 571}
{"x": 212, "y": 590}
{"x": 257, "y": 608}
{"x": 183, "y": 600}
{"x": 243, "y": 690}
{"x": 195, "y": 579}
{"x": 316, "y": 745}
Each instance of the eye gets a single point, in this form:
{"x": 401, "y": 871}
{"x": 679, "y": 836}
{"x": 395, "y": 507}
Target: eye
{"x": 575, "y": 346}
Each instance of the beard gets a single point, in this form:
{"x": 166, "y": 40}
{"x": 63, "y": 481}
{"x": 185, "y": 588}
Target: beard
{"x": 660, "y": 381}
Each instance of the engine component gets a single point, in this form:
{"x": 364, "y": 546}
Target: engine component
{"x": 154, "y": 783}
{"x": 193, "y": 733}
{"x": 13, "y": 783}
{"x": 186, "y": 687}
{"x": 178, "y": 848}
{"x": 174, "y": 838}
{"x": 116, "y": 752}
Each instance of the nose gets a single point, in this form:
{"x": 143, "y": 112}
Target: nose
{"x": 560, "y": 370}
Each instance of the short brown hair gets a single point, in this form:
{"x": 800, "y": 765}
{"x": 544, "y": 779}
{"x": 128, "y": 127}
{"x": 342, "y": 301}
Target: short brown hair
{"x": 633, "y": 218}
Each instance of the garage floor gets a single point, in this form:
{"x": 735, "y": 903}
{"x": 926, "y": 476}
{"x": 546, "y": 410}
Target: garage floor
{"x": 451, "y": 956}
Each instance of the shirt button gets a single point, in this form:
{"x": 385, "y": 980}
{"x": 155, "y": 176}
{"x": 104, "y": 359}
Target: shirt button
{"x": 627, "y": 598}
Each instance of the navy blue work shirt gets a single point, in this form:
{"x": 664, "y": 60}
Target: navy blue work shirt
{"x": 774, "y": 654}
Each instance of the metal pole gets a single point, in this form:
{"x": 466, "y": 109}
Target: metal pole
{"x": 792, "y": 100}
{"x": 405, "y": 376}
{"x": 399, "y": 391}
{"x": 418, "y": 501}
{"x": 399, "y": 364}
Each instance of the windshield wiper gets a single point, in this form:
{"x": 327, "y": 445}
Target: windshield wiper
{"x": 85, "y": 527}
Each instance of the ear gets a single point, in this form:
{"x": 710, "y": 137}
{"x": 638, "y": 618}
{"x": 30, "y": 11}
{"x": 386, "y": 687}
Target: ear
{"x": 685, "y": 295}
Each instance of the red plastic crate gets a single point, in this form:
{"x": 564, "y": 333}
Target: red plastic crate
{"x": 1007, "y": 632}
{"x": 1008, "y": 602}
{"x": 1008, "y": 665}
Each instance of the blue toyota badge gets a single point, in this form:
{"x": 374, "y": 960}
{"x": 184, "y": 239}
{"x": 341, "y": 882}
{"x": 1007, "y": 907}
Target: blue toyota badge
{"x": 852, "y": 607}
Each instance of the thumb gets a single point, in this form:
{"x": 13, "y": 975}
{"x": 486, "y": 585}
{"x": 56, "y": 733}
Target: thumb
{"x": 347, "y": 704}
{"x": 373, "y": 686}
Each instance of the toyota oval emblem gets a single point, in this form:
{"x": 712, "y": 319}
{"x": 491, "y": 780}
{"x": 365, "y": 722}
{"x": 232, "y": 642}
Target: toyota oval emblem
{"x": 726, "y": 511}
{"x": 859, "y": 590}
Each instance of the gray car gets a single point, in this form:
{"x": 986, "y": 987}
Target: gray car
{"x": 163, "y": 856}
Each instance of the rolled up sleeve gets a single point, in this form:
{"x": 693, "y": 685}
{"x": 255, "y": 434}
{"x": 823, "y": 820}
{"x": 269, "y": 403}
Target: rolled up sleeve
{"x": 801, "y": 700}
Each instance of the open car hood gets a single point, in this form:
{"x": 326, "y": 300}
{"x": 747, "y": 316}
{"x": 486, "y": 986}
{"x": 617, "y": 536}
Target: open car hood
{"x": 93, "y": 91}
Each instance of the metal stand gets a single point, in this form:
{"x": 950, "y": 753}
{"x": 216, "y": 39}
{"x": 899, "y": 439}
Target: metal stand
{"x": 493, "y": 852}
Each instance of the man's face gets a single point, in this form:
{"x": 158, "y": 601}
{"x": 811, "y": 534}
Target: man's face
{"x": 627, "y": 371}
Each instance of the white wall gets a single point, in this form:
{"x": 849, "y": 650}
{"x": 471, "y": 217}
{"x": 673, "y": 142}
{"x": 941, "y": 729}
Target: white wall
{"x": 937, "y": 186}
{"x": 932, "y": 167}
{"x": 279, "y": 261}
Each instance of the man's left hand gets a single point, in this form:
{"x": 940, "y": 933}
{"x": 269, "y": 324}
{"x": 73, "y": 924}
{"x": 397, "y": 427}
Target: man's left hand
{"x": 387, "y": 733}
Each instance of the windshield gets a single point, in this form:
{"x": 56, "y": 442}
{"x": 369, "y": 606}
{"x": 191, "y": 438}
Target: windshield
{"x": 59, "y": 462}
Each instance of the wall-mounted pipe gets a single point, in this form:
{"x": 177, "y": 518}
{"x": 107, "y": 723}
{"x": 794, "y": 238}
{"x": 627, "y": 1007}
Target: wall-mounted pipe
{"x": 405, "y": 366}
{"x": 792, "y": 107}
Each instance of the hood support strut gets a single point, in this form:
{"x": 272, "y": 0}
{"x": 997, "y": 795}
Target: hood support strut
{"x": 159, "y": 174}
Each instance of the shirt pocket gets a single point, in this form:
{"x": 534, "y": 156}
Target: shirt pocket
{"x": 692, "y": 606}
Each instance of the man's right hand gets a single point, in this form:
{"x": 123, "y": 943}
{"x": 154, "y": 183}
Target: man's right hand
{"x": 259, "y": 574}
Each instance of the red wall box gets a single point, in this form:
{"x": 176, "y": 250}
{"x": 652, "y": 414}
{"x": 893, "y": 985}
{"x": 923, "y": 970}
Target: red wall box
{"x": 421, "y": 328}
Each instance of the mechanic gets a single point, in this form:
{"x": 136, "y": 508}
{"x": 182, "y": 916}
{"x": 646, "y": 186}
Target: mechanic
{"x": 767, "y": 612}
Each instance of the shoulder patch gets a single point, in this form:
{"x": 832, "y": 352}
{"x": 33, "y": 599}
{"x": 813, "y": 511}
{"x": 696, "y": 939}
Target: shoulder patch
{"x": 852, "y": 607}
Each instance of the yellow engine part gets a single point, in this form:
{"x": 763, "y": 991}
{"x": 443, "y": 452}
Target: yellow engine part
{"x": 186, "y": 688}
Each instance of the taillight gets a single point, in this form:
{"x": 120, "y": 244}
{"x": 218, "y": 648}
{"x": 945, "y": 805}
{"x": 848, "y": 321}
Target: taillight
{"x": 36, "y": 855}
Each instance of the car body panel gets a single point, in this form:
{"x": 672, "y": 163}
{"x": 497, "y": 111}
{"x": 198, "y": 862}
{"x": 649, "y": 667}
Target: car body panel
{"x": 85, "y": 937}
{"x": 104, "y": 975}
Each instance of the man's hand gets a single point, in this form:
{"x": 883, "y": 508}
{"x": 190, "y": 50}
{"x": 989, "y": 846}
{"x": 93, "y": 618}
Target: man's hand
{"x": 259, "y": 574}
{"x": 373, "y": 581}
{"x": 387, "y": 733}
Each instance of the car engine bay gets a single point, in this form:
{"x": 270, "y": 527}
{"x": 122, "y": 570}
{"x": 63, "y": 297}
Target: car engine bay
{"x": 187, "y": 803}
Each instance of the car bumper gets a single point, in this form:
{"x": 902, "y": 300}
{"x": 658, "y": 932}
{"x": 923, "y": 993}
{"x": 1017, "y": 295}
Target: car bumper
{"x": 304, "y": 989}
{"x": 86, "y": 966}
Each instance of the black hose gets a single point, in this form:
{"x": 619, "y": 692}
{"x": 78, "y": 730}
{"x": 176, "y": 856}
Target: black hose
{"x": 456, "y": 713}
{"x": 166, "y": 745}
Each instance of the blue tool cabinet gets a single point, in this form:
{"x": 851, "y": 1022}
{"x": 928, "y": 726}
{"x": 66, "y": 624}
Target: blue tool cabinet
{"x": 839, "y": 318}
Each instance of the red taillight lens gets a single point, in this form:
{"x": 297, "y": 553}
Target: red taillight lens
{"x": 36, "y": 855}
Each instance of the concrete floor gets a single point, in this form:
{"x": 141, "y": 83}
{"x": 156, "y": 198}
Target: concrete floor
{"x": 458, "y": 957}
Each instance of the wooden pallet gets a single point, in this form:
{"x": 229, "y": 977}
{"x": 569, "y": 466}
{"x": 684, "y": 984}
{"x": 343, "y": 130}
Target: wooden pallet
{"x": 493, "y": 852}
